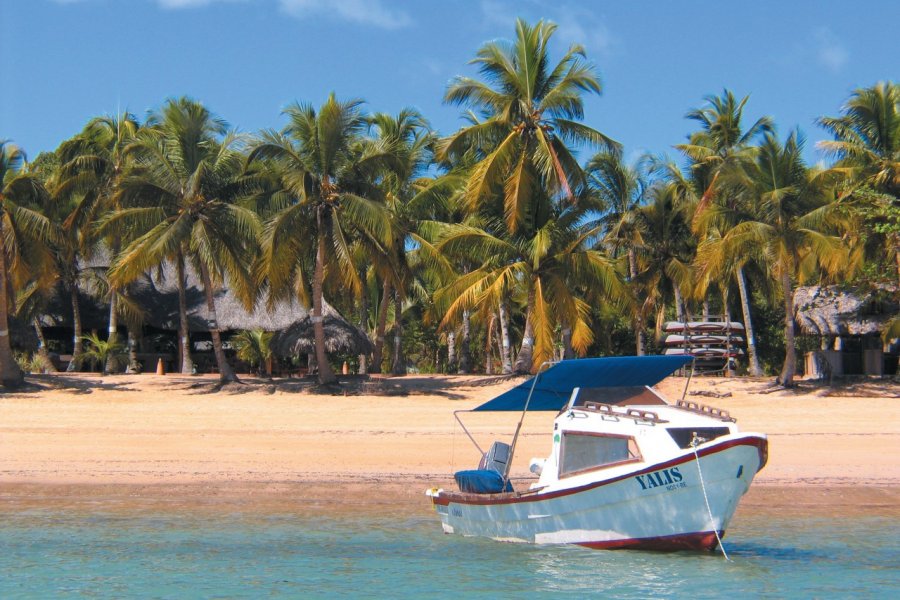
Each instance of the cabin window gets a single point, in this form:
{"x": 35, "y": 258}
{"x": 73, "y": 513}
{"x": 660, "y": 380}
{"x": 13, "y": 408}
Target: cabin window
{"x": 683, "y": 436}
{"x": 587, "y": 451}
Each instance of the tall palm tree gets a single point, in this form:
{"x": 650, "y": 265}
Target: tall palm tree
{"x": 532, "y": 110}
{"x": 550, "y": 266}
{"x": 620, "y": 188}
{"x": 720, "y": 152}
{"x": 408, "y": 138}
{"x": 326, "y": 167}
{"x": 94, "y": 163}
{"x": 23, "y": 234}
{"x": 665, "y": 251}
{"x": 867, "y": 146}
{"x": 184, "y": 190}
{"x": 797, "y": 227}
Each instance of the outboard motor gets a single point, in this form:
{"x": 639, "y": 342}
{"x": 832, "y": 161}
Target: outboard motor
{"x": 496, "y": 458}
{"x": 488, "y": 478}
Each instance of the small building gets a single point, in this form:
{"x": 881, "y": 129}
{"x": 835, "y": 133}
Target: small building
{"x": 155, "y": 298}
{"x": 849, "y": 323}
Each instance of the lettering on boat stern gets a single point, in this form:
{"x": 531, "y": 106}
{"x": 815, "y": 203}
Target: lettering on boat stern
{"x": 671, "y": 479}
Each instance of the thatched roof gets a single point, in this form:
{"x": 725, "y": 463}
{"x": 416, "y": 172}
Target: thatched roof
{"x": 834, "y": 311}
{"x": 157, "y": 295}
{"x": 340, "y": 336}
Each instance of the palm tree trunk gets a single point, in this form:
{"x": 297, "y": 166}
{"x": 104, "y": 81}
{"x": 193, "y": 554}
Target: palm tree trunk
{"x": 49, "y": 367}
{"x": 133, "y": 366}
{"x": 790, "y": 358}
{"x": 505, "y": 346}
{"x": 326, "y": 375}
{"x": 638, "y": 314}
{"x": 111, "y": 363}
{"x": 78, "y": 344}
{"x": 226, "y": 373}
{"x": 679, "y": 302}
{"x": 184, "y": 340}
{"x": 755, "y": 369}
{"x": 380, "y": 327}
{"x": 363, "y": 321}
{"x": 465, "y": 353}
{"x": 568, "y": 350}
{"x": 10, "y": 374}
{"x": 525, "y": 359}
{"x": 399, "y": 363}
{"x": 488, "y": 355}
{"x": 451, "y": 351}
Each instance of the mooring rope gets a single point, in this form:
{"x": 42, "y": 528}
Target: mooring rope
{"x": 694, "y": 443}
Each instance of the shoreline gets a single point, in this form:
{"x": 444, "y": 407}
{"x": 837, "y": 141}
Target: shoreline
{"x": 402, "y": 497}
{"x": 147, "y": 441}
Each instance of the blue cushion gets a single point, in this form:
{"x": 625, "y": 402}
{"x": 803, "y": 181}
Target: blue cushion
{"x": 481, "y": 481}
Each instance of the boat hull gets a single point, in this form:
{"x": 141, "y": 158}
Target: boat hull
{"x": 656, "y": 507}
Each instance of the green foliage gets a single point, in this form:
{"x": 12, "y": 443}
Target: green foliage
{"x": 253, "y": 347}
{"x": 104, "y": 353}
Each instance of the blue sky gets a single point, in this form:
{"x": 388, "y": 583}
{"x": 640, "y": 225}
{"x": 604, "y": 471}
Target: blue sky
{"x": 65, "y": 61}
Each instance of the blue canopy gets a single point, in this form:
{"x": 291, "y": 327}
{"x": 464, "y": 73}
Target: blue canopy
{"x": 555, "y": 385}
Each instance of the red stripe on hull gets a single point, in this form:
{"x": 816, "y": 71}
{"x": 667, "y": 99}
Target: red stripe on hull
{"x": 704, "y": 540}
{"x": 445, "y": 498}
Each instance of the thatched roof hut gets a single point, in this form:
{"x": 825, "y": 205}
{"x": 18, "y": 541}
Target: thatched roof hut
{"x": 340, "y": 336}
{"x": 835, "y": 311}
{"x": 157, "y": 296}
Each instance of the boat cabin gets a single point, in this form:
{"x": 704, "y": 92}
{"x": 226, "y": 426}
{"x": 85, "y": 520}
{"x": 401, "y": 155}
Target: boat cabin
{"x": 615, "y": 427}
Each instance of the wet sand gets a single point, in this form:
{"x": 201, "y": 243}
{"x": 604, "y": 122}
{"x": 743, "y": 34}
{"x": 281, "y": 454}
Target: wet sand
{"x": 156, "y": 442}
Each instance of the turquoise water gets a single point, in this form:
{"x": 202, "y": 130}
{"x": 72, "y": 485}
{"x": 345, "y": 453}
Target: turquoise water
{"x": 48, "y": 553}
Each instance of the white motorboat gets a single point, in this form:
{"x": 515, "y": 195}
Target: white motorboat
{"x": 626, "y": 468}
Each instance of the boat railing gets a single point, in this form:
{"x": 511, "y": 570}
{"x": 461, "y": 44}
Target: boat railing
{"x": 629, "y": 413}
{"x": 703, "y": 409}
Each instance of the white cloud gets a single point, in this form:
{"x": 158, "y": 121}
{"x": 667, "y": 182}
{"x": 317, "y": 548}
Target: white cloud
{"x": 369, "y": 12}
{"x": 830, "y": 52}
{"x": 575, "y": 23}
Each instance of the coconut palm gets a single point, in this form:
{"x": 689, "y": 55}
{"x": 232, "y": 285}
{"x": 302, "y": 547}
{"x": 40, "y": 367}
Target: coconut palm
{"x": 408, "y": 138}
{"x": 183, "y": 191}
{"x": 93, "y": 163}
{"x": 620, "y": 188}
{"x": 548, "y": 266}
{"x": 24, "y": 232}
{"x": 720, "y": 152}
{"x": 532, "y": 110}
{"x": 796, "y": 227}
{"x": 867, "y": 146}
{"x": 664, "y": 252}
{"x": 327, "y": 169}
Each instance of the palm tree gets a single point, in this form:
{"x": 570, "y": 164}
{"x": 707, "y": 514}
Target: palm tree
{"x": 23, "y": 231}
{"x": 408, "y": 139}
{"x": 664, "y": 252}
{"x": 183, "y": 191}
{"x": 867, "y": 146}
{"x": 533, "y": 111}
{"x": 797, "y": 227}
{"x": 94, "y": 163}
{"x": 71, "y": 209}
{"x": 326, "y": 169}
{"x": 550, "y": 266}
{"x": 720, "y": 152}
{"x": 620, "y": 190}
{"x": 254, "y": 348}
